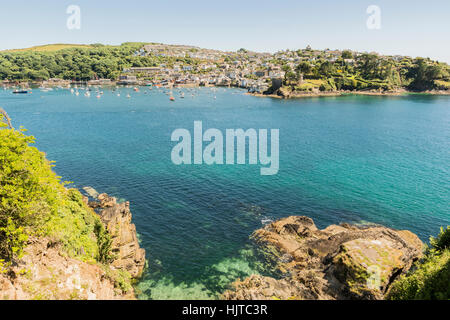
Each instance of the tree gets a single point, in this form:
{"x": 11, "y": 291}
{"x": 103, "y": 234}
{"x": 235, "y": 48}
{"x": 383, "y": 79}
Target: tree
{"x": 347, "y": 54}
{"x": 304, "y": 67}
{"x": 368, "y": 65}
{"x": 326, "y": 68}
{"x": 291, "y": 77}
{"x": 286, "y": 68}
{"x": 424, "y": 74}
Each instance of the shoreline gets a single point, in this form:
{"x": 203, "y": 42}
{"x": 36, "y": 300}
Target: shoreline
{"x": 334, "y": 263}
{"x": 350, "y": 93}
{"x": 295, "y": 95}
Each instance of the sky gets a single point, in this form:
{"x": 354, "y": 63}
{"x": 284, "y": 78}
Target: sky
{"x": 413, "y": 28}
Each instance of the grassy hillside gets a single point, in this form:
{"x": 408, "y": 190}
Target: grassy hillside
{"x": 50, "y": 48}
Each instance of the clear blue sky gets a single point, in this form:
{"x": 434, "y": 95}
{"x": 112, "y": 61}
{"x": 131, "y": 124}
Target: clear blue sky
{"x": 416, "y": 28}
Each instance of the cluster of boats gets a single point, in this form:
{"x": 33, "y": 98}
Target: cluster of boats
{"x": 87, "y": 91}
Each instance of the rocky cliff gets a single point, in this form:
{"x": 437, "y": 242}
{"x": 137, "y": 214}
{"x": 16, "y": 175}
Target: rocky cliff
{"x": 339, "y": 262}
{"x": 46, "y": 271}
{"x": 116, "y": 217}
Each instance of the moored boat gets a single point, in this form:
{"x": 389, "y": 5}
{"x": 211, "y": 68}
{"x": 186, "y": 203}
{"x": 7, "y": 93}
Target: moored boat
{"x": 20, "y": 91}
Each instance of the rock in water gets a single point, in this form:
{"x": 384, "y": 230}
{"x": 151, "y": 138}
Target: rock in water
{"x": 339, "y": 262}
{"x": 91, "y": 192}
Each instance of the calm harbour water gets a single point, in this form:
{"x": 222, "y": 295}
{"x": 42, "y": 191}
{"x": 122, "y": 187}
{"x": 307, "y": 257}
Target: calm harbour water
{"x": 348, "y": 159}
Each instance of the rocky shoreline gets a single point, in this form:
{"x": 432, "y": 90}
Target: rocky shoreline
{"x": 46, "y": 272}
{"x": 339, "y": 262}
{"x": 298, "y": 95}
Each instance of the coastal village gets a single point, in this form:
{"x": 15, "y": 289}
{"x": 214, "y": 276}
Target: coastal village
{"x": 254, "y": 71}
{"x": 250, "y": 70}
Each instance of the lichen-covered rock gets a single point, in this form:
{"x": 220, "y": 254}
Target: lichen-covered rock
{"x": 339, "y": 262}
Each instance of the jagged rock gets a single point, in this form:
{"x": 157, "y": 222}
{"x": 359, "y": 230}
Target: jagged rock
{"x": 339, "y": 262}
{"x": 125, "y": 246}
{"x": 102, "y": 201}
{"x": 283, "y": 92}
{"x": 106, "y": 201}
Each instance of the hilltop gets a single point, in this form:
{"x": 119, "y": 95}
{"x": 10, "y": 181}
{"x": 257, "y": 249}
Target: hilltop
{"x": 49, "y": 48}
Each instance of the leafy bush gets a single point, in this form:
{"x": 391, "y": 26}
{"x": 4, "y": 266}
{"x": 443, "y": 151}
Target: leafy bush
{"x": 73, "y": 226}
{"x": 14, "y": 239}
{"x": 104, "y": 243}
{"x": 442, "y": 241}
{"x": 30, "y": 191}
{"x": 121, "y": 278}
{"x": 431, "y": 278}
{"x": 34, "y": 202}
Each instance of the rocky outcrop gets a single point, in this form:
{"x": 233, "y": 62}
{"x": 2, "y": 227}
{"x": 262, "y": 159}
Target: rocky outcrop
{"x": 45, "y": 273}
{"x": 117, "y": 217}
{"x": 339, "y": 262}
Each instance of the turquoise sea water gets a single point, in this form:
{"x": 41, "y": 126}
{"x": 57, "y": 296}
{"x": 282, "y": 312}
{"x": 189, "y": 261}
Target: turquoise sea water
{"x": 348, "y": 159}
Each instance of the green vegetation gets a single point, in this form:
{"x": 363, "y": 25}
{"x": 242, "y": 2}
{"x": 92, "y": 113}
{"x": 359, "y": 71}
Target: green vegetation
{"x": 76, "y": 62}
{"x": 34, "y": 203}
{"x": 367, "y": 72}
{"x": 104, "y": 243}
{"x": 121, "y": 279}
{"x": 425, "y": 74}
{"x": 431, "y": 277}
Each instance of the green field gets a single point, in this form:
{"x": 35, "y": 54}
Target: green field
{"x": 50, "y": 48}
